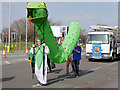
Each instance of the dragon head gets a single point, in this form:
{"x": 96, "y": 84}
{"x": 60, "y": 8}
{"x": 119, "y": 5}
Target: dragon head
{"x": 37, "y": 12}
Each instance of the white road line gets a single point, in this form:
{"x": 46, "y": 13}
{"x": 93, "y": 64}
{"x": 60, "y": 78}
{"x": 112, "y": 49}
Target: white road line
{"x": 15, "y": 55}
{"x": 20, "y": 59}
{"x": 17, "y": 60}
{"x": 7, "y": 62}
{"x": 112, "y": 63}
{"x": 27, "y": 60}
{"x": 95, "y": 68}
{"x": 103, "y": 63}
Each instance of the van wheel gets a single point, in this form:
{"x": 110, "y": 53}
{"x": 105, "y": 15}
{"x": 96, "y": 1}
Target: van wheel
{"x": 89, "y": 59}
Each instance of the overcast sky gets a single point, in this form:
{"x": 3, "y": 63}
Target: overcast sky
{"x": 86, "y": 13}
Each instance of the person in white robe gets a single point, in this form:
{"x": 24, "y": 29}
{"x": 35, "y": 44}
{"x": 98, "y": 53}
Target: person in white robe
{"x": 39, "y": 63}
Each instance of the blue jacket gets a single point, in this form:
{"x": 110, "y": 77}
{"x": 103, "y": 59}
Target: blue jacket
{"x": 77, "y": 55}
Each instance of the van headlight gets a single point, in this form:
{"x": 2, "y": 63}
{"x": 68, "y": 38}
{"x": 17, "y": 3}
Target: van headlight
{"x": 106, "y": 55}
{"x": 87, "y": 54}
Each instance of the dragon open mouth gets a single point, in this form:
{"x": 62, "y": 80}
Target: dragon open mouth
{"x": 35, "y": 15}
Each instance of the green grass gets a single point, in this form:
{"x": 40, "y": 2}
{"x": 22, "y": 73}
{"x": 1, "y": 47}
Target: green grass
{"x": 82, "y": 46}
{"x": 16, "y": 46}
{"x": 22, "y": 46}
{"x": 1, "y": 46}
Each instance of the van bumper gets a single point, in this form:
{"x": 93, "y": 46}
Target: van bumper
{"x": 104, "y": 56}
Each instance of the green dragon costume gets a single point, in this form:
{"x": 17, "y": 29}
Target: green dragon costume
{"x": 37, "y": 13}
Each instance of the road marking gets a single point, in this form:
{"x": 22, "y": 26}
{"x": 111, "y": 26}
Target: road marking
{"x": 112, "y": 63}
{"x": 103, "y": 63}
{"x": 15, "y": 55}
{"x": 15, "y": 61}
{"x": 27, "y": 60}
{"x": 98, "y": 63}
{"x": 91, "y": 82}
{"x": 96, "y": 68}
{"x": 18, "y": 60}
{"x": 7, "y": 62}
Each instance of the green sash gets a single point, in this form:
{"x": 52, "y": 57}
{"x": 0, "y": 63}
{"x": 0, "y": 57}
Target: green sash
{"x": 39, "y": 55}
{"x": 30, "y": 54}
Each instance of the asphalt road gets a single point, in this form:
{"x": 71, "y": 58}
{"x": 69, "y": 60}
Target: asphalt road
{"x": 16, "y": 73}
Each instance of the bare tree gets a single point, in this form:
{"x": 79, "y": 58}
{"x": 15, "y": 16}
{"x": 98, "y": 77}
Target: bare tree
{"x": 83, "y": 36}
{"x": 5, "y": 32}
{"x": 54, "y": 23}
{"x": 19, "y": 27}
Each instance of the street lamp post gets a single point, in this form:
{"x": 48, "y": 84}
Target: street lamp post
{"x": 6, "y": 43}
{"x": 11, "y": 41}
{"x": 16, "y": 41}
{"x": 19, "y": 40}
{"x": 26, "y": 30}
{"x": 9, "y": 24}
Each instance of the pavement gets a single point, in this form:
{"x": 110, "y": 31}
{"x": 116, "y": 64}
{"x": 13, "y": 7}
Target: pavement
{"x": 16, "y": 73}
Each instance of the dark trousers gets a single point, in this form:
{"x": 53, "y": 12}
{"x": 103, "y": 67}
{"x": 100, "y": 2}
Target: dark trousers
{"x": 76, "y": 63}
{"x": 48, "y": 62}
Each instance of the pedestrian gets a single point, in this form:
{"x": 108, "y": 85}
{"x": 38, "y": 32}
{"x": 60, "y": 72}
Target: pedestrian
{"x": 76, "y": 58}
{"x": 70, "y": 60}
{"x": 31, "y": 51}
{"x": 32, "y": 58}
{"x": 41, "y": 73}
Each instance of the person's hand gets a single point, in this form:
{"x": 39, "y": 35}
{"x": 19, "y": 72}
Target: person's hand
{"x": 33, "y": 45}
{"x": 71, "y": 59}
{"x": 44, "y": 45}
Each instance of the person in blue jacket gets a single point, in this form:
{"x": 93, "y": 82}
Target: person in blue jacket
{"x": 76, "y": 58}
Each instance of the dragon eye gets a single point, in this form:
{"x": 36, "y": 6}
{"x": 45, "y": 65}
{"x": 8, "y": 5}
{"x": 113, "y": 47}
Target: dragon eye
{"x": 29, "y": 3}
{"x": 43, "y": 4}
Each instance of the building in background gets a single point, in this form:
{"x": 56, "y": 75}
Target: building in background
{"x": 59, "y": 32}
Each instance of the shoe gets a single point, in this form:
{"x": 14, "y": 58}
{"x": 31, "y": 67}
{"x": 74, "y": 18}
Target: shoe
{"x": 66, "y": 73}
{"x": 77, "y": 76}
{"x": 50, "y": 71}
{"x": 73, "y": 72}
{"x": 39, "y": 85}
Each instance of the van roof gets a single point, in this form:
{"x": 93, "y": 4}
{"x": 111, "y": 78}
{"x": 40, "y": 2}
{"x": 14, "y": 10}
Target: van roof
{"x": 100, "y": 33}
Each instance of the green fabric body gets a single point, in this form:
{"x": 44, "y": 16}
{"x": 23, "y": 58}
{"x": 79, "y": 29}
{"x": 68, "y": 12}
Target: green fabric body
{"x": 62, "y": 53}
{"x": 57, "y": 54}
{"x": 39, "y": 55}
